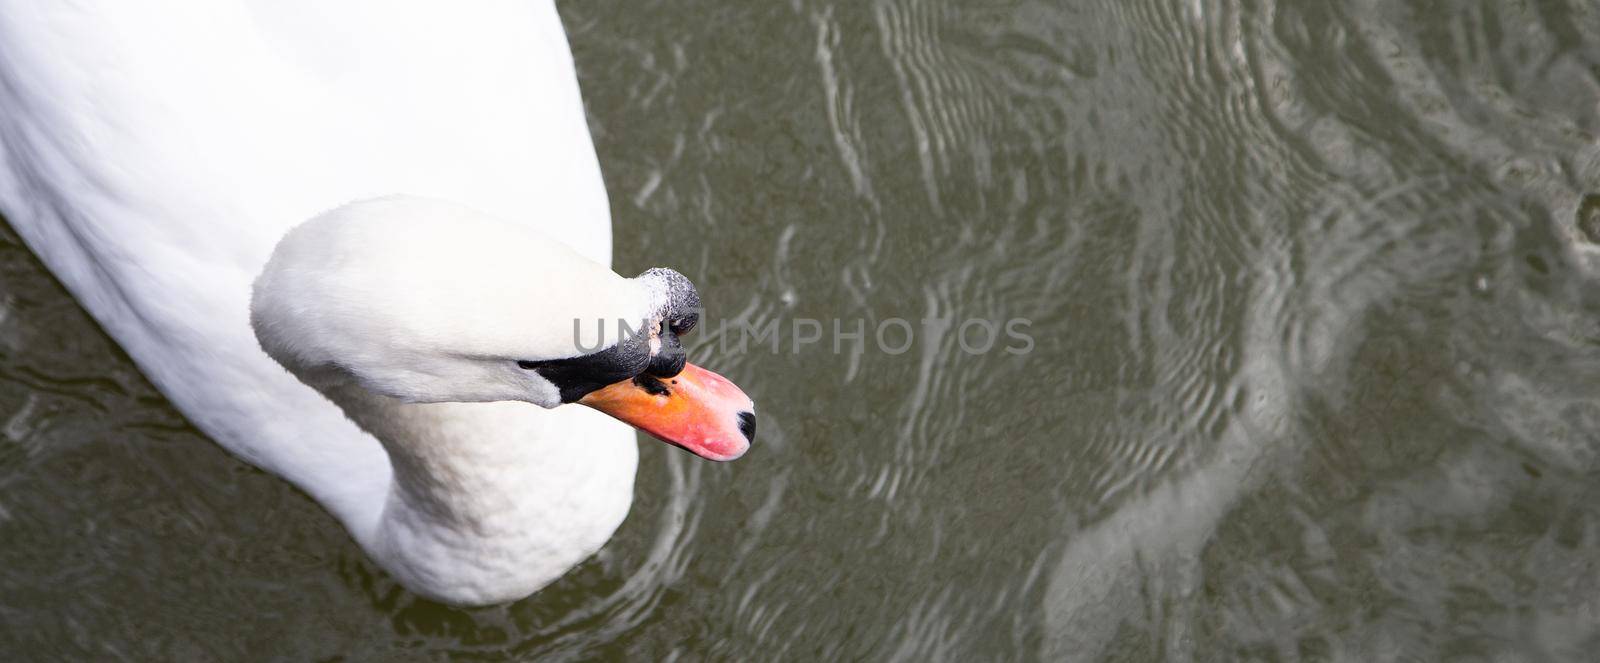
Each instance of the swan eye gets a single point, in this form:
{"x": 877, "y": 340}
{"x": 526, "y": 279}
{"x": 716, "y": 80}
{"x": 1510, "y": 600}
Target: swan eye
{"x": 527, "y": 365}
{"x": 685, "y": 324}
{"x": 682, "y": 305}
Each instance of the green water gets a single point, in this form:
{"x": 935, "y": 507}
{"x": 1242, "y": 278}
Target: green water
{"x": 1311, "y": 289}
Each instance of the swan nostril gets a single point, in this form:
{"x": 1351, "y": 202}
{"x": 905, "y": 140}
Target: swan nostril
{"x": 747, "y": 425}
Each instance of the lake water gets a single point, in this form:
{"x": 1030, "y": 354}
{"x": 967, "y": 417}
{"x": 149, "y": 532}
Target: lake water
{"x": 1310, "y": 289}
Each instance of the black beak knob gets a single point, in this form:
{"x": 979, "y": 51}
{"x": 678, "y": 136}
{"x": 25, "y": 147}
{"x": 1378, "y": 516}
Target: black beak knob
{"x": 669, "y": 360}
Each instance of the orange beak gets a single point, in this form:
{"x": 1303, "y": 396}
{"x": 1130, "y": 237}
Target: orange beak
{"x": 697, "y": 410}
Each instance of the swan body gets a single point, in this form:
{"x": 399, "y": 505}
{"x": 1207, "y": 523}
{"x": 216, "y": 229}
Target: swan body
{"x": 157, "y": 155}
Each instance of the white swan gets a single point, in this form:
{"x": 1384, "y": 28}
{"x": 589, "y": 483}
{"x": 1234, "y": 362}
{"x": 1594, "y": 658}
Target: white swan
{"x": 157, "y": 155}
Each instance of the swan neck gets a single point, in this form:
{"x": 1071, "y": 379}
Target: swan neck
{"x": 474, "y": 513}
{"x": 449, "y": 460}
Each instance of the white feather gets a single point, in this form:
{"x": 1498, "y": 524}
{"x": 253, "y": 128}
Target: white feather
{"x": 153, "y": 154}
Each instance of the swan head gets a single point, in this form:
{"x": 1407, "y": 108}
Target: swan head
{"x": 426, "y": 301}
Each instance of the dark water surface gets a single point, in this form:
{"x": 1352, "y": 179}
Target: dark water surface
{"x": 1312, "y": 289}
